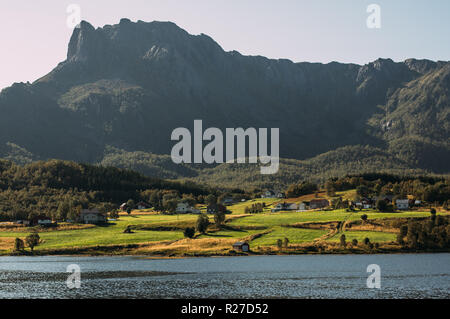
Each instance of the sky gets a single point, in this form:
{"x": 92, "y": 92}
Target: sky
{"x": 34, "y": 34}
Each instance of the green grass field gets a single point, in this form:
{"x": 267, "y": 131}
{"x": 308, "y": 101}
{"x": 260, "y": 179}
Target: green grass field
{"x": 112, "y": 234}
{"x": 239, "y": 208}
{"x": 243, "y": 227}
{"x": 360, "y": 235}
{"x": 295, "y": 236}
{"x": 287, "y": 218}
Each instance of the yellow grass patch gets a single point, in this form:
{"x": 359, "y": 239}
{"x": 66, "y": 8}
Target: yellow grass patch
{"x": 203, "y": 245}
{"x": 6, "y": 243}
{"x": 371, "y": 227}
{"x": 306, "y": 198}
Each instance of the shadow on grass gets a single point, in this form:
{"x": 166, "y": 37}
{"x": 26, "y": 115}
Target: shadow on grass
{"x": 216, "y": 235}
{"x": 104, "y": 225}
{"x": 232, "y": 228}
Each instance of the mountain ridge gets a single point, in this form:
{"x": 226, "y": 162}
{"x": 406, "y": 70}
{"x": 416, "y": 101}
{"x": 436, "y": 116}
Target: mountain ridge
{"x": 127, "y": 86}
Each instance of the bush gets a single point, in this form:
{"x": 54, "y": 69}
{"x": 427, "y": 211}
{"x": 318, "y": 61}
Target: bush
{"x": 400, "y": 239}
{"x": 355, "y": 242}
{"x": 114, "y": 214}
{"x": 433, "y": 215}
{"x": 130, "y": 206}
{"x": 189, "y": 232}
{"x": 279, "y": 243}
{"x": 286, "y": 242}
{"x": 219, "y": 218}
{"x": 343, "y": 242}
{"x": 366, "y": 241}
{"x": 19, "y": 244}
{"x": 381, "y": 205}
{"x": 128, "y": 230}
{"x": 32, "y": 240}
{"x": 403, "y": 230}
{"x": 364, "y": 217}
{"x": 202, "y": 223}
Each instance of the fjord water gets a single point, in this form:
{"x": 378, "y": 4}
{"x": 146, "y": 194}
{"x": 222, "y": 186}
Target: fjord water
{"x": 304, "y": 276}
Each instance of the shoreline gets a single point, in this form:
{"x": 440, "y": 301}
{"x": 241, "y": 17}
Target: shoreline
{"x": 181, "y": 255}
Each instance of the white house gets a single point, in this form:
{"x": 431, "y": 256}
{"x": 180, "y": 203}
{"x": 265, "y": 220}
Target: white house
{"x": 302, "y": 206}
{"x": 268, "y": 194}
{"x": 44, "y": 222}
{"x": 184, "y": 208}
{"x": 92, "y": 217}
{"x": 402, "y": 203}
{"x": 142, "y": 205}
{"x": 284, "y": 206}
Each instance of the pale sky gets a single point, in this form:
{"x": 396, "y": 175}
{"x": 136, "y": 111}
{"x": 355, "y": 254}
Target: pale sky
{"x": 34, "y": 34}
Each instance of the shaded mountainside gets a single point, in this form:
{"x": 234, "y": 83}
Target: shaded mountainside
{"x": 123, "y": 89}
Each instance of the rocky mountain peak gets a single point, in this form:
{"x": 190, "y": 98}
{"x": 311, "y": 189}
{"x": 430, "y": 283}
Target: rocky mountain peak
{"x": 81, "y": 43}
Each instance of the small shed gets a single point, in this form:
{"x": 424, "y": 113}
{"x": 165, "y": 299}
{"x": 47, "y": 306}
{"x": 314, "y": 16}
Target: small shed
{"x": 241, "y": 246}
{"x": 142, "y": 205}
{"x": 402, "y": 203}
{"x": 40, "y": 220}
{"x": 123, "y": 207}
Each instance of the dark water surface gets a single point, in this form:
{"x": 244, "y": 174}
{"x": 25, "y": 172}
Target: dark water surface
{"x": 304, "y": 276}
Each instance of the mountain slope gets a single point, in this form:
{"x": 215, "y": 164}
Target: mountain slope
{"x": 125, "y": 87}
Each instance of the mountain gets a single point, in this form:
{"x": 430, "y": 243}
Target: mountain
{"x": 123, "y": 89}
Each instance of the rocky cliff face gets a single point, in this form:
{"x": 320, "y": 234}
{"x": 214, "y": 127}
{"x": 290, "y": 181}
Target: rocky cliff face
{"x": 129, "y": 85}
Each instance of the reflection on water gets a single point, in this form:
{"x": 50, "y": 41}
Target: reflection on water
{"x": 306, "y": 276}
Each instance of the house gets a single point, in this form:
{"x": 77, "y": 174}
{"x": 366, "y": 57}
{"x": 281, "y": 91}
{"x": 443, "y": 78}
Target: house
{"x": 281, "y": 195}
{"x": 228, "y": 202}
{"x": 123, "y": 207}
{"x": 45, "y": 222}
{"x": 142, "y": 205}
{"x": 303, "y": 206}
{"x": 268, "y": 194}
{"x": 318, "y": 203}
{"x": 284, "y": 206}
{"x": 23, "y": 222}
{"x": 92, "y": 216}
{"x": 241, "y": 246}
{"x": 402, "y": 203}
{"x": 40, "y": 220}
{"x": 365, "y": 203}
{"x": 184, "y": 208}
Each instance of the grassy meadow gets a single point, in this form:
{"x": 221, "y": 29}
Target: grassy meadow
{"x": 260, "y": 230}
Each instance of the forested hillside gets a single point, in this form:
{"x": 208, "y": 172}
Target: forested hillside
{"x": 49, "y": 187}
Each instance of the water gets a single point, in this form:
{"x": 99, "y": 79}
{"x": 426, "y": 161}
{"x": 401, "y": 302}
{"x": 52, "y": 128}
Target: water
{"x": 303, "y": 276}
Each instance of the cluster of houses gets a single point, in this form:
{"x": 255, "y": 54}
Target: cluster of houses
{"x": 141, "y": 205}
{"x": 272, "y": 194}
{"x": 317, "y": 203}
{"x": 93, "y": 216}
{"x": 185, "y": 208}
{"x": 87, "y": 216}
{"x": 400, "y": 204}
